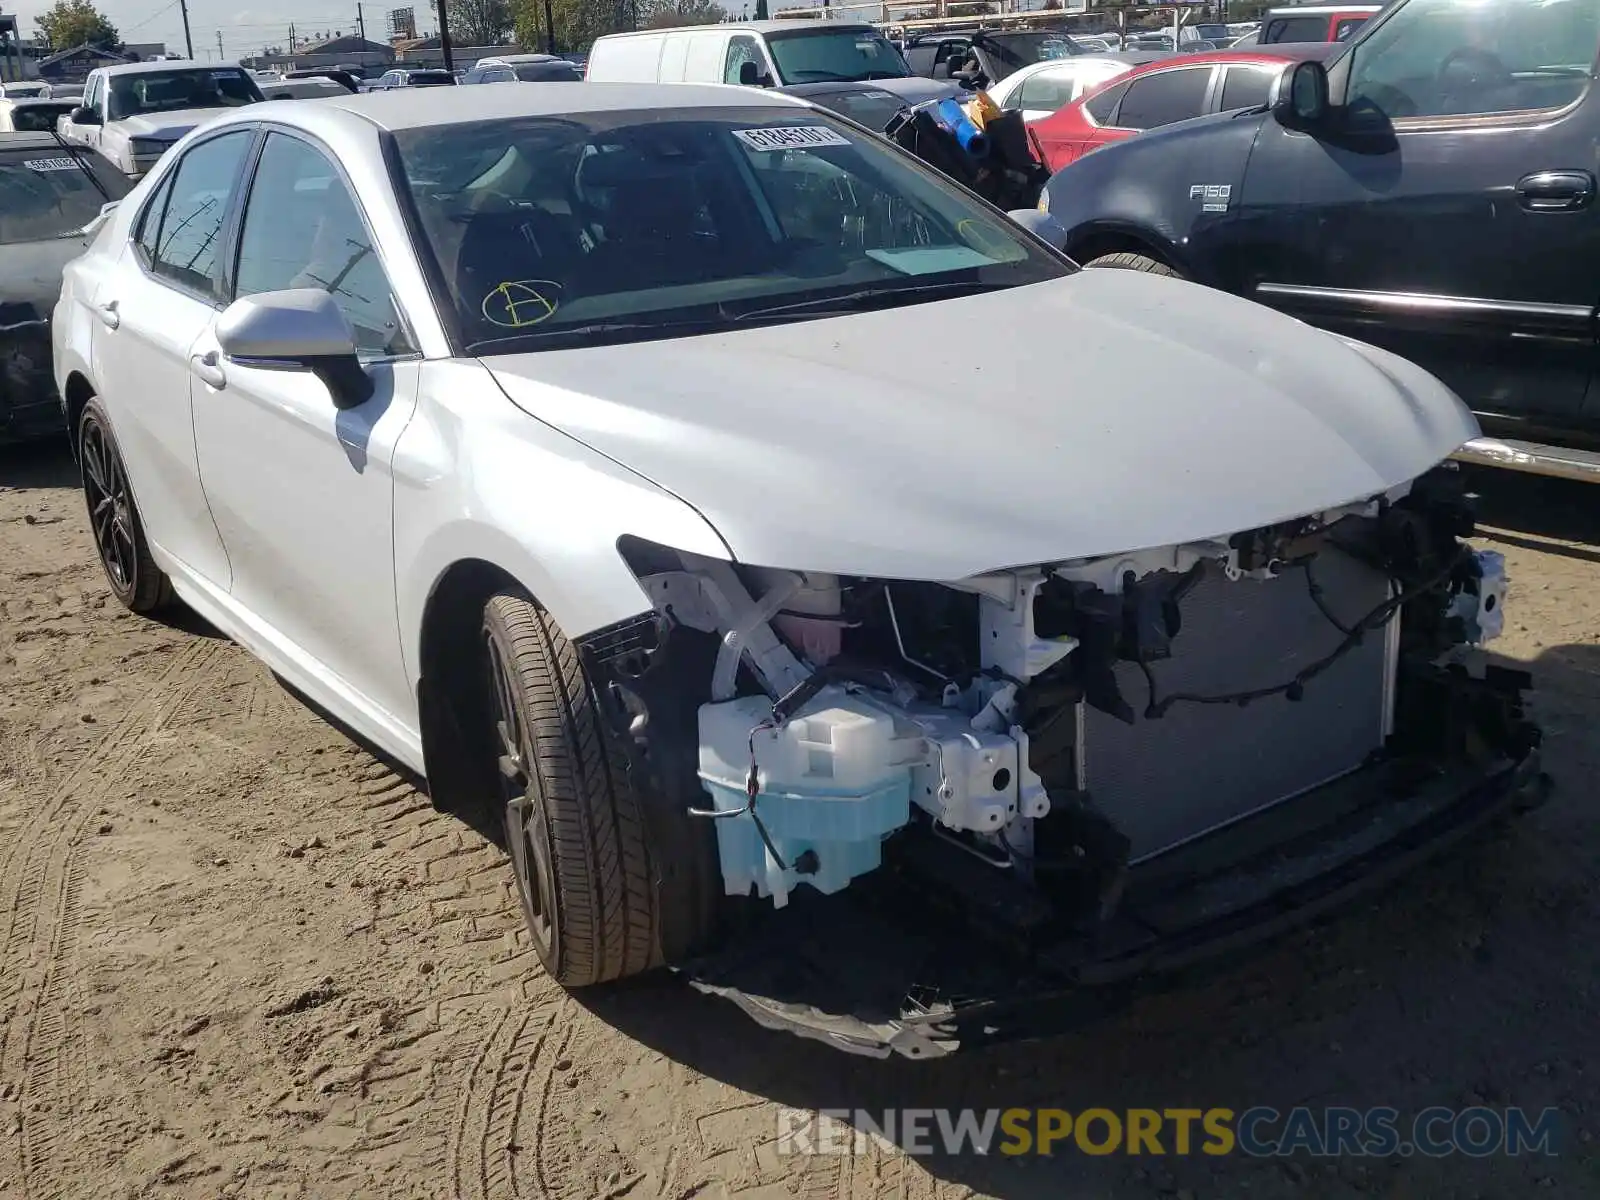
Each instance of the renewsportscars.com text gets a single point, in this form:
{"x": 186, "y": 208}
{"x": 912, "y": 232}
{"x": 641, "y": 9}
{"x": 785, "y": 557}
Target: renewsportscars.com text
{"x": 1258, "y": 1131}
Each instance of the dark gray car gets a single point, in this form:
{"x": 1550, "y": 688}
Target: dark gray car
{"x": 48, "y": 193}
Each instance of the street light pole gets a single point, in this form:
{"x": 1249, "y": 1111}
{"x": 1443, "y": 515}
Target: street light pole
{"x": 444, "y": 36}
{"x": 188, "y": 42}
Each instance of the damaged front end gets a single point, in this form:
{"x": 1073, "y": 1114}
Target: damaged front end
{"x": 947, "y": 813}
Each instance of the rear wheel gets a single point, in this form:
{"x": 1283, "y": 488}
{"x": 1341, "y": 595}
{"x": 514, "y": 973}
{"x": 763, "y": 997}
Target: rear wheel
{"x": 1127, "y": 260}
{"x": 573, "y": 823}
{"x": 135, "y": 580}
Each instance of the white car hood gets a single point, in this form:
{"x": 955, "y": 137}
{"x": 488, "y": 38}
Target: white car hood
{"x": 169, "y": 125}
{"x": 1106, "y": 412}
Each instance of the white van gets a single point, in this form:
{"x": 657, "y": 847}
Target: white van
{"x": 754, "y": 53}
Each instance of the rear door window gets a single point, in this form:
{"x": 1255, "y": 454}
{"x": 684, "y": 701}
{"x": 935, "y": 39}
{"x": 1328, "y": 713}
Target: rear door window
{"x": 1104, "y": 106}
{"x": 1163, "y": 98}
{"x": 1245, "y": 87}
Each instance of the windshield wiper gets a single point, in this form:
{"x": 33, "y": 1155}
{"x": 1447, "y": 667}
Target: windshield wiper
{"x": 601, "y": 330}
{"x": 865, "y": 299}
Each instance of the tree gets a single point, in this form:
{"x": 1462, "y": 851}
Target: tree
{"x": 73, "y": 23}
{"x": 578, "y": 22}
{"x": 665, "y": 14}
{"x": 480, "y": 22}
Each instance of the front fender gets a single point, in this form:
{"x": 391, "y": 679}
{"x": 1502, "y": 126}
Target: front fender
{"x": 477, "y": 479}
{"x": 1176, "y": 190}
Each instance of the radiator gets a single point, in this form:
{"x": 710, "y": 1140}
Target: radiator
{"x": 1167, "y": 780}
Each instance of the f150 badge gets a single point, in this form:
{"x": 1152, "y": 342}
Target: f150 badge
{"x": 1213, "y": 197}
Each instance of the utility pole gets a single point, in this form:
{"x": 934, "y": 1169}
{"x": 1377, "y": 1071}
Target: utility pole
{"x": 291, "y": 39}
{"x": 444, "y": 36}
{"x": 219, "y": 46}
{"x": 361, "y": 22}
{"x": 188, "y": 42}
{"x": 549, "y": 29}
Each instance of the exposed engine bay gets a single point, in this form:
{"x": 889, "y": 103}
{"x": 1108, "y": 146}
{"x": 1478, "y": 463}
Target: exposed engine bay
{"x": 1021, "y": 743}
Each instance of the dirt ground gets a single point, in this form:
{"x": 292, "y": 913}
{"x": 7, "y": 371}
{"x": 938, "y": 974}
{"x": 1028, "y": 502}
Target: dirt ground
{"x": 241, "y": 957}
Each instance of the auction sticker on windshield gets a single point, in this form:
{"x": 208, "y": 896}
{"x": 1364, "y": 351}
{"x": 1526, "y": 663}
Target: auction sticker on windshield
{"x": 797, "y": 137}
{"x": 50, "y": 164}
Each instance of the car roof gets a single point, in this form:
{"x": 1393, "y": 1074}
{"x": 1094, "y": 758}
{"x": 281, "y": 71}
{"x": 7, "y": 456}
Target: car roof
{"x": 403, "y": 109}
{"x": 758, "y": 27}
{"x": 1279, "y": 54}
{"x": 34, "y": 101}
{"x": 168, "y": 64}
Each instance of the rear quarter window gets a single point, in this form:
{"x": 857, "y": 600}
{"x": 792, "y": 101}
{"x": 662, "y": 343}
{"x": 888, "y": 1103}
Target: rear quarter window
{"x": 1104, "y": 106}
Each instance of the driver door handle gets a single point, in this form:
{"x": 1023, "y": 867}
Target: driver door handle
{"x": 209, "y": 367}
{"x": 1555, "y": 191}
{"x": 108, "y": 314}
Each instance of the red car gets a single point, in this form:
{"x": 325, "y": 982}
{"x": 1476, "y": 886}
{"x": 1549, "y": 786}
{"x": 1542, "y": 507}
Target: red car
{"x": 1164, "y": 92}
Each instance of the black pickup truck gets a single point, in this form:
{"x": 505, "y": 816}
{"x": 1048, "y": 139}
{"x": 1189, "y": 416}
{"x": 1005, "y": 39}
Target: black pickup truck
{"x": 1431, "y": 189}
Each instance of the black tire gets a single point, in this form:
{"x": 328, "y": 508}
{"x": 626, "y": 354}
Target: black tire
{"x": 573, "y": 823}
{"x": 1126, "y": 260}
{"x": 135, "y": 580}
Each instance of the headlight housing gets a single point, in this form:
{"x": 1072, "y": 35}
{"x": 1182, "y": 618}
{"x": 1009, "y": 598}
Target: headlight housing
{"x": 146, "y": 147}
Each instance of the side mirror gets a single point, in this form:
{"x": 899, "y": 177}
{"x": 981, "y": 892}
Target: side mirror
{"x": 85, "y": 116}
{"x": 301, "y": 329}
{"x": 1042, "y": 225}
{"x": 1303, "y": 98}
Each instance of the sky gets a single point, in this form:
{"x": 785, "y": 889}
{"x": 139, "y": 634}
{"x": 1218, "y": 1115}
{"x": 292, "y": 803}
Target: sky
{"x": 244, "y": 30}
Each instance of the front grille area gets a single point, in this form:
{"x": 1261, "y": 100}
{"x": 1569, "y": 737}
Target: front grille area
{"x": 1164, "y": 781}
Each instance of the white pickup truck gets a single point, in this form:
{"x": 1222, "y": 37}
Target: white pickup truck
{"x": 131, "y": 113}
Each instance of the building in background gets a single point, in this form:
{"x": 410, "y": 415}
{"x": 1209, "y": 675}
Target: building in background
{"x": 74, "y": 65}
{"x": 354, "y": 54}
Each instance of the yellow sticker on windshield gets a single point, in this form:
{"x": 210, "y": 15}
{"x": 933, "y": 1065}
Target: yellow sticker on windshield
{"x": 519, "y": 303}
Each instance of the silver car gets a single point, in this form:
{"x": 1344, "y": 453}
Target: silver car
{"x": 837, "y": 594}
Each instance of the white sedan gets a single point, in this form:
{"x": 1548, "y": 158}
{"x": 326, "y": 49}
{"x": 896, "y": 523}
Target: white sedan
{"x": 1040, "y": 88}
{"x": 766, "y": 528}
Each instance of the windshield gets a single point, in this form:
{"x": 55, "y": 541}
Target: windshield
{"x": 828, "y": 56}
{"x": 429, "y": 78}
{"x": 166, "y": 91}
{"x": 38, "y": 117}
{"x": 44, "y": 195}
{"x": 627, "y": 226}
{"x": 1013, "y": 50}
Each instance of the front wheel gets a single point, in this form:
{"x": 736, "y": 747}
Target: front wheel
{"x": 573, "y": 825}
{"x": 138, "y": 584}
{"x": 1125, "y": 260}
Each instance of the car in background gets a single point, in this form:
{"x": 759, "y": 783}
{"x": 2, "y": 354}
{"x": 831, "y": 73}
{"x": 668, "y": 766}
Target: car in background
{"x": 755, "y": 54}
{"x": 523, "y": 68}
{"x": 1314, "y": 22}
{"x": 864, "y": 103}
{"x": 49, "y": 194}
{"x": 33, "y": 116}
{"x": 1433, "y": 191}
{"x": 1164, "y": 93}
{"x": 133, "y": 112}
{"x": 1038, "y": 90}
{"x": 63, "y": 91}
{"x": 23, "y": 89}
{"x": 312, "y": 87}
{"x": 997, "y": 52}
{"x": 411, "y": 78}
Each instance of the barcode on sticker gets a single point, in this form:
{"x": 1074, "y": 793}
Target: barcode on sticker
{"x": 797, "y": 137}
{"x": 50, "y": 164}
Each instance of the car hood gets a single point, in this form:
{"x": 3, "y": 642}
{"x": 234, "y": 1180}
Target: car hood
{"x": 914, "y": 89}
{"x": 170, "y": 125}
{"x": 1104, "y": 412}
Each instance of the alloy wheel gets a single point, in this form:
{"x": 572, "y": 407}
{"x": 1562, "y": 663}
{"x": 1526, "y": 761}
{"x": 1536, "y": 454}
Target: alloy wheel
{"x": 105, "y": 486}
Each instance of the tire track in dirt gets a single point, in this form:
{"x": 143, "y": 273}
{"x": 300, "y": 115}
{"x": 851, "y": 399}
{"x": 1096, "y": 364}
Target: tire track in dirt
{"x": 42, "y": 1047}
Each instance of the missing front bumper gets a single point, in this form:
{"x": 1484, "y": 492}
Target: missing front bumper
{"x": 868, "y": 972}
